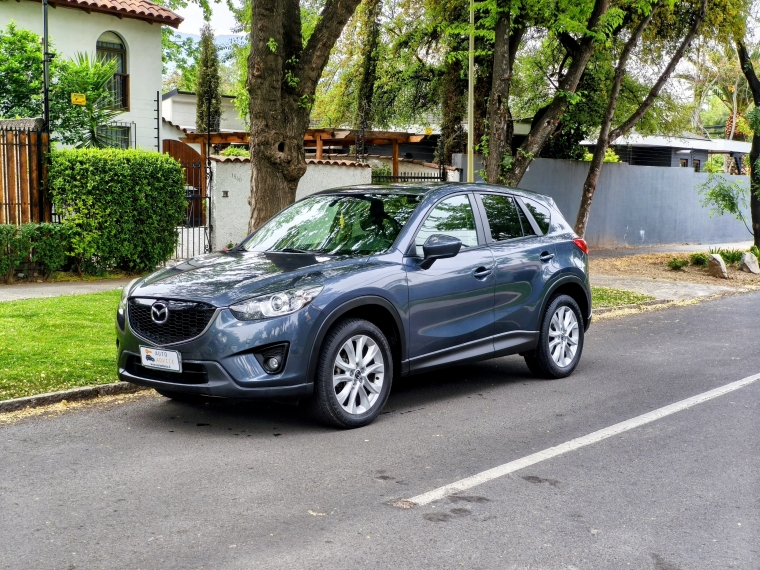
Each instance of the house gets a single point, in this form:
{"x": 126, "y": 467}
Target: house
{"x": 128, "y": 31}
{"x": 685, "y": 151}
{"x": 178, "y": 108}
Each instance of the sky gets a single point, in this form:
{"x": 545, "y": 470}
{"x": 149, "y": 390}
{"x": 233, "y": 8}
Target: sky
{"x": 221, "y": 19}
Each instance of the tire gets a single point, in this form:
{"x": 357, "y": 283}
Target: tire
{"x": 346, "y": 395}
{"x": 558, "y": 361}
{"x": 182, "y": 396}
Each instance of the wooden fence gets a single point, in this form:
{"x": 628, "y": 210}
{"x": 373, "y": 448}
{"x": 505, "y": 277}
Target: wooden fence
{"x": 23, "y": 171}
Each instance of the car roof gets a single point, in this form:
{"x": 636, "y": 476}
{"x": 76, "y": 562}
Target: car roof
{"x": 432, "y": 189}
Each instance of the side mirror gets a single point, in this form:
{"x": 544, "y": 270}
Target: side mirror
{"x": 439, "y": 246}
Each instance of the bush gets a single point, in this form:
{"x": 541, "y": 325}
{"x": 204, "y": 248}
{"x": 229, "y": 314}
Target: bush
{"x": 676, "y": 264}
{"x": 754, "y": 250}
{"x": 699, "y": 259}
{"x": 121, "y": 207}
{"x": 15, "y": 246}
{"x": 730, "y": 256}
{"x": 51, "y": 244}
{"x": 233, "y": 150}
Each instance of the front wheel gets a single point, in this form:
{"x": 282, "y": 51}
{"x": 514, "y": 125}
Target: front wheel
{"x": 354, "y": 374}
{"x": 560, "y": 340}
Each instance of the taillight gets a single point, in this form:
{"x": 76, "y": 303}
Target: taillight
{"x": 581, "y": 243}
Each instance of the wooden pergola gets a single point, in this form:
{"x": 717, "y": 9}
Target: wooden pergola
{"x": 318, "y": 139}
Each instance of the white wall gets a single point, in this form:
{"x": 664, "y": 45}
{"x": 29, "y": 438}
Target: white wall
{"x": 73, "y": 30}
{"x": 230, "y": 215}
{"x": 180, "y": 110}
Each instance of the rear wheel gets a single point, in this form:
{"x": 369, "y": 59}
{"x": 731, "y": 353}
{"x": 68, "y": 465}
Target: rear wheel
{"x": 354, "y": 374}
{"x": 560, "y": 340}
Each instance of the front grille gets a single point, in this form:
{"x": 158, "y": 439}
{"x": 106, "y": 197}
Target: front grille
{"x": 192, "y": 373}
{"x": 186, "y": 320}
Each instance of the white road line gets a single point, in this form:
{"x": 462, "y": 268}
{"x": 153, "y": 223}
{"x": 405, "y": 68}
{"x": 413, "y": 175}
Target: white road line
{"x": 573, "y": 444}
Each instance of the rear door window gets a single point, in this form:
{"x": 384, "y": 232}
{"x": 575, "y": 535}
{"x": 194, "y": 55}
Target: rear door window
{"x": 540, "y": 213}
{"x": 503, "y": 216}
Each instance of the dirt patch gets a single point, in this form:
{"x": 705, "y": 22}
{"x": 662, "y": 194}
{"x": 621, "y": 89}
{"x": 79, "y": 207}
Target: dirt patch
{"x": 655, "y": 266}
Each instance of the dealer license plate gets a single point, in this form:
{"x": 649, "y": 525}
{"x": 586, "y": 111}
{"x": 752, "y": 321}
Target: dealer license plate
{"x": 162, "y": 359}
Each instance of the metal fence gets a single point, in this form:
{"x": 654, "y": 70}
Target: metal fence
{"x": 409, "y": 177}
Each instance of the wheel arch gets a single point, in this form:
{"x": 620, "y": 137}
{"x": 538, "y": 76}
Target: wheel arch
{"x": 373, "y": 308}
{"x": 573, "y": 287}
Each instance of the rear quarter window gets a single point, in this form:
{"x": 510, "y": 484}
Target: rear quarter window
{"x": 542, "y": 214}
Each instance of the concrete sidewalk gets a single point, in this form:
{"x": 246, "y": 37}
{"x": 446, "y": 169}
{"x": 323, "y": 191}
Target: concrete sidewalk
{"x": 661, "y": 289}
{"x": 42, "y": 290}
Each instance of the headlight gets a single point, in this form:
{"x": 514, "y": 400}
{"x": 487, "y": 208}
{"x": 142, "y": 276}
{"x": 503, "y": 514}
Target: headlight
{"x": 274, "y": 304}
{"x": 123, "y": 303}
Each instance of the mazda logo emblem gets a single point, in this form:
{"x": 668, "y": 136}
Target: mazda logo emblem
{"x": 159, "y": 312}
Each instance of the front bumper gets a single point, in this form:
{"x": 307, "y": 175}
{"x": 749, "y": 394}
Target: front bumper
{"x": 224, "y": 355}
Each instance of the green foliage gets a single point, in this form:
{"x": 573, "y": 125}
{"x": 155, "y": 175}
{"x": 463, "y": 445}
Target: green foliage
{"x": 208, "y": 110}
{"x": 382, "y": 169}
{"x": 699, "y": 259}
{"x": 755, "y": 251}
{"x": 272, "y": 45}
{"x": 15, "y": 246}
{"x": 82, "y": 125}
{"x": 122, "y": 207}
{"x": 20, "y": 73}
{"x": 753, "y": 118}
{"x": 233, "y": 150}
{"x": 180, "y": 61}
{"x": 676, "y": 264}
{"x": 724, "y": 196}
{"x": 51, "y": 244}
{"x": 730, "y": 256}
{"x": 609, "y": 156}
{"x": 714, "y": 164}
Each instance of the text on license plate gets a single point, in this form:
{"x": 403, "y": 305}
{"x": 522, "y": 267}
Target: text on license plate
{"x": 162, "y": 359}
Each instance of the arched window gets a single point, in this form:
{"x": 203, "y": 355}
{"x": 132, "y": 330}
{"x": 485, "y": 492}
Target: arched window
{"x": 110, "y": 47}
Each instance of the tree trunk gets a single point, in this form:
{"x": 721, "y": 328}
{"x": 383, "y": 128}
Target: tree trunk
{"x": 282, "y": 80}
{"x": 370, "y": 28}
{"x": 754, "y": 153}
{"x": 607, "y": 137}
{"x": 500, "y": 124}
{"x": 541, "y": 131}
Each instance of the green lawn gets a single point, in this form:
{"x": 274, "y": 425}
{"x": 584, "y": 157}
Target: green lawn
{"x": 605, "y": 297}
{"x": 48, "y": 345}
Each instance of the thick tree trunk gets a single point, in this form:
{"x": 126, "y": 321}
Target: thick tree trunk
{"x": 500, "y": 124}
{"x": 453, "y": 89}
{"x": 541, "y": 131}
{"x": 282, "y": 80}
{"x": 606, "y": 136}
{"x": 754, "y": 153}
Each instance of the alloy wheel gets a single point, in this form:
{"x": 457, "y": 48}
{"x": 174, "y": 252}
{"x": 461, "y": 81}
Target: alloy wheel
{"x": 563, "y": 336}
{"x": 358, "y": 374}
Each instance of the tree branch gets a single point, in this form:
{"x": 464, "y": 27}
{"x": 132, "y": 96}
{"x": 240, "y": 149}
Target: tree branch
{"x": 654, "y": 92}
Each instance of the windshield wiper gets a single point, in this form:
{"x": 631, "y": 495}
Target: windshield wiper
{"x": 292, "y": 250}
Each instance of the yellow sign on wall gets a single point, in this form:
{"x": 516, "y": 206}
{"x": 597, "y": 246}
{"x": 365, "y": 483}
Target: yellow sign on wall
{"x": 78, "y": 99}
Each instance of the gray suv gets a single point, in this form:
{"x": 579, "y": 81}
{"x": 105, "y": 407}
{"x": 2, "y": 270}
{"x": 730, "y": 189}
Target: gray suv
{"x": 347, "y": 289}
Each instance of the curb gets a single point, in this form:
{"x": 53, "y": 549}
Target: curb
{"x": 75, "y": 394}
{"x": 603, "y": 310}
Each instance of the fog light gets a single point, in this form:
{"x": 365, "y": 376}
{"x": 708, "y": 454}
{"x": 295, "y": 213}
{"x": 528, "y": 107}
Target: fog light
{"x": 273, "y": 363}
{"x": 272, "y": 357}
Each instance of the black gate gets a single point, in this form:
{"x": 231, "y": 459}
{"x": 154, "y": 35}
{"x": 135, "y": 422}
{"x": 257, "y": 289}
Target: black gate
{"x": 194, "y": 237}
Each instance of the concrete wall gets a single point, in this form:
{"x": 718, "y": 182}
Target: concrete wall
{"x": 636, "y": 205}
{"x": 73, "y": 30}
{"x": 230, "y": 214}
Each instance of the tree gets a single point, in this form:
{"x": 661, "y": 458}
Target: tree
{"x": 20, "y": 73}
{"x": 83, "y": 126}
{"x": 754, "y": 153}
{"x": 208, "y": 94}
{"x": 282, "y": 80}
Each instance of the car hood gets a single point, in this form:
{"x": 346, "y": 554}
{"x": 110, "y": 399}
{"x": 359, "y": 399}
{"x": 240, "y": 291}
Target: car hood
{"x": 228, "y": 277}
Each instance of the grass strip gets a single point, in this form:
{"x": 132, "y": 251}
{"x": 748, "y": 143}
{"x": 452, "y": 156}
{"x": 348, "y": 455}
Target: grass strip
{"x": 602, "y": 297}
{"x": 53, "y": 344}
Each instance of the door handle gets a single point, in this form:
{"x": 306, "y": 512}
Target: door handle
{"x": 482, "y": 272}
{"x": 546, "y": 256}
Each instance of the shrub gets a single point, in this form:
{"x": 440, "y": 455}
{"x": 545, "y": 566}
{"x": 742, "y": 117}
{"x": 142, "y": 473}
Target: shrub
{"x": 754, "y": 250}
{"x": 730, "y": 256}
{"x": 15, "y": 245}
{"x": 699, "y": 259}
{"x": 51, "y": 244}
{"x": 121, "y": 207}
{"x": 676, "y": 264}
{"x": 236, "y": 151}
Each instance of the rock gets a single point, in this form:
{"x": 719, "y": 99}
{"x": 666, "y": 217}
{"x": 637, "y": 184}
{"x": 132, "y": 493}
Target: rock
{"x": 21, "y": 276}
{"x": 749, "y": 263}
{"x": 716, "y": 266}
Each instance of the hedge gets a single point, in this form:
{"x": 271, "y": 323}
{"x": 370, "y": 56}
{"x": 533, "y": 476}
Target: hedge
{"x": 121, "y": 207}
{"x": 46, "y": 246}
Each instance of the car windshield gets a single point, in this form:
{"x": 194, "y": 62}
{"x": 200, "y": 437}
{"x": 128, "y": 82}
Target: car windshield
{"x": 355, "y": 224}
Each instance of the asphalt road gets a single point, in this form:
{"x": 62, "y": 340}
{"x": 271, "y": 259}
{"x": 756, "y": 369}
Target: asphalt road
{"x": 157, "y": 484}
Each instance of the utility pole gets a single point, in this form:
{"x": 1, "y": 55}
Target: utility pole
{"x": 471, "y": 100}
{"x": 46, "y": 57}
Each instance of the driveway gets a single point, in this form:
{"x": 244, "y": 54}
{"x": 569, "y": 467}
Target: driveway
{"x": 158, "y": 484}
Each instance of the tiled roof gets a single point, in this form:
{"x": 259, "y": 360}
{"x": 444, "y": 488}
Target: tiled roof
{"x": 219, "y": 158}
{"x": 138, "y": 9}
